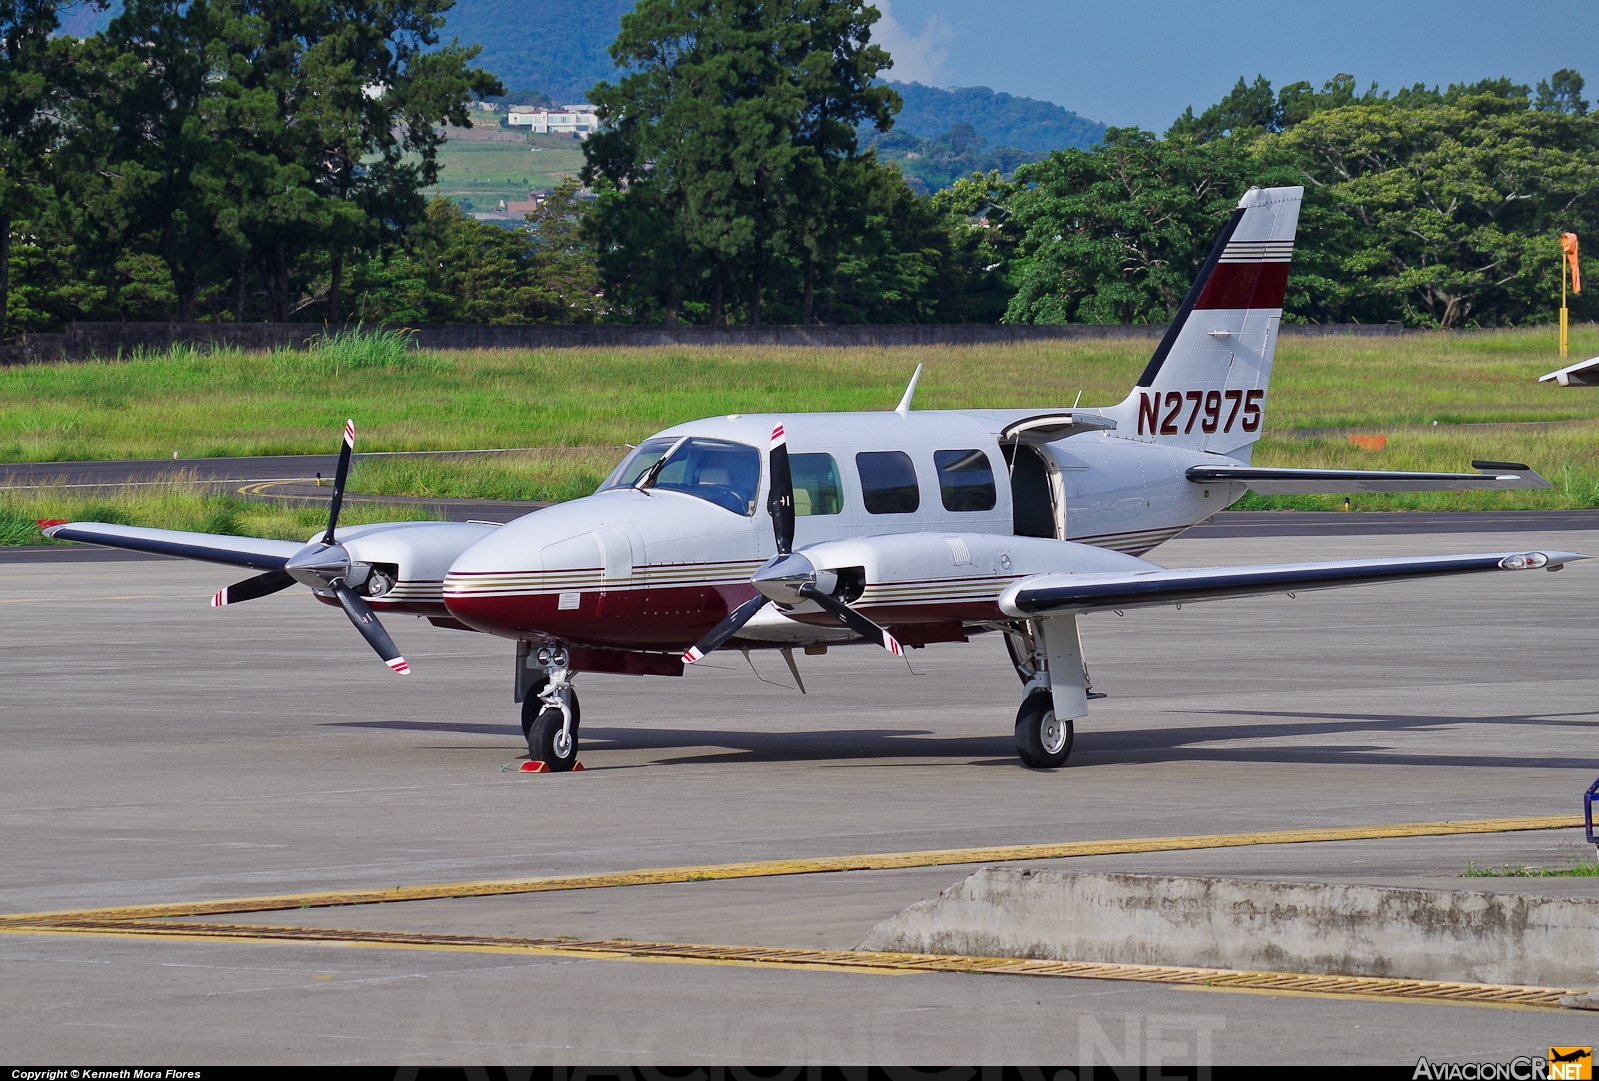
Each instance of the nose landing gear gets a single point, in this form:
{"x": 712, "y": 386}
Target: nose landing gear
{"x": 551, "y": 714}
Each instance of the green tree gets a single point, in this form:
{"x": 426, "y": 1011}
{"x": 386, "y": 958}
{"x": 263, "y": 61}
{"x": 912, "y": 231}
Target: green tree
{"x": 724, "y": 138}
{"x": 37, "y": 78}
{"x": 1116, "y": 234}
{"x": 455, "y": 269}
{"x": 353, "y": 99}
{"x": 1455, "y": 207}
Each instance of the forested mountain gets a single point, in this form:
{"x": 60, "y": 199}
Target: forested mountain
{"x": 1003, "y": 120}
{"x": 557, "y": 47}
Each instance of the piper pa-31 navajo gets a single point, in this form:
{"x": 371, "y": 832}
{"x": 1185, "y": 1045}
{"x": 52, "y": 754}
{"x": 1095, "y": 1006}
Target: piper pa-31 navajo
{"x": 897, "y": 529}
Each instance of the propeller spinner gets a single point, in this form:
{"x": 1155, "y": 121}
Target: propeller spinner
{"x": 325, "y": 566}
{"x": 788, "y": 579}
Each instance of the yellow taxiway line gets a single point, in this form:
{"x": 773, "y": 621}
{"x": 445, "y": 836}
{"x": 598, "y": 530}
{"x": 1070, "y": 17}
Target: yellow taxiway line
{"x": 1296, "y": 983}
{"x": 771, "y": 868}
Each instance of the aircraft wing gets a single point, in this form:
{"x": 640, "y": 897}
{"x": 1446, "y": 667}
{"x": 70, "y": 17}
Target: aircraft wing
{"x": 264, "y": 555}
{"x": 1491, "y": 477}
{"x": 1053, "y": 594}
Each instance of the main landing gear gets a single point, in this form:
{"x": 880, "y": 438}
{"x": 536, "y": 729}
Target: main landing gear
{"x": 1048, "y": 657}
{"x": 551, "y": 714}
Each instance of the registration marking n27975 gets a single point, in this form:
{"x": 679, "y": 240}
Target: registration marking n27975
{"x": 1162, "y": 414}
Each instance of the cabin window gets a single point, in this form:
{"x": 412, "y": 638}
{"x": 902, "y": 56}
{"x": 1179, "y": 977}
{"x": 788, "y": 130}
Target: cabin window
{"x": 888, "y": 482}
{"x": 816, "y": 485}
{"x": 714, "y": 470}
{"x": 965, "y": 480}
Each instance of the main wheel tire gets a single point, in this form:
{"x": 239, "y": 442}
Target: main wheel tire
{"x": 532, "y": 707}
{"x": 1043, "y": 741}
{"x": 544, "y": 742}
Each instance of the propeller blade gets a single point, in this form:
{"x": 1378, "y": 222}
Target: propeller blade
{"x": 262, "y": 585}
{"x": 339, "y": 478}
{"x": 780, "y": 504}
{"x": 725, "y": 629}
{"x": 366, "y": 621}
{"x": 853, "y": 619}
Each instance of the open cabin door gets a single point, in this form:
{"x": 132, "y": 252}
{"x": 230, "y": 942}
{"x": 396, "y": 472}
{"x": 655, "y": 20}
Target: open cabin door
{"x": 1037, "y": 491}
{"x": 1038, "y": 508}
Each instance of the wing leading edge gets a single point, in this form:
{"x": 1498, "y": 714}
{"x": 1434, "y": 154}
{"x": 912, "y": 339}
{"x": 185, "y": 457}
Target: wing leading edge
{"x": 252, "y": 552}
{"x": 1052, "y": 594}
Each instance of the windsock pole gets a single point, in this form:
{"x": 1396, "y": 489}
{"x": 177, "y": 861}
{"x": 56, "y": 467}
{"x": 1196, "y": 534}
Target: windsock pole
{"x": 1565, "y": 334}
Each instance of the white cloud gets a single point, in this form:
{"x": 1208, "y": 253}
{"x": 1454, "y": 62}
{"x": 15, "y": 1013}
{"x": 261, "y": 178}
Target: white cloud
{"x": 918, "y": 58}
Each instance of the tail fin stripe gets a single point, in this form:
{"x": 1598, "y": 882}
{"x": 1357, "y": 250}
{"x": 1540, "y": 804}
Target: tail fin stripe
{"x": 1245, "y": 285}
{"x": 1169, "y": 339}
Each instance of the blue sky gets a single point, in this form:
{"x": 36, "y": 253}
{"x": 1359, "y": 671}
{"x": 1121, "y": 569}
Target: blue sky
{"x": 1142, "y": 61}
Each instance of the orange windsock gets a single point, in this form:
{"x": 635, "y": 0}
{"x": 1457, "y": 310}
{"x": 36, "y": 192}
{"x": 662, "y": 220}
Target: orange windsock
{"x": 1568, "y": 244}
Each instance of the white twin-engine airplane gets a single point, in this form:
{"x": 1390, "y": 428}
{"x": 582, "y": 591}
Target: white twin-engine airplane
{"x": 899, "y": 528}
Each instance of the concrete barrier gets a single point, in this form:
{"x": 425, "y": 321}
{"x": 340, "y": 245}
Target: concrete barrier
{"x": 1246, "y": 924}
{"x": 82, "y": 340}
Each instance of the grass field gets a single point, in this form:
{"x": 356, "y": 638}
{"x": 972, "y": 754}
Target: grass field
{"x": 480, "y": 167}
{"x": 180, "y": 502}
{"x": 582, "y": 405}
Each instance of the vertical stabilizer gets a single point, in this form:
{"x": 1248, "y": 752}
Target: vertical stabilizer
{"x": 1205, "y": 386}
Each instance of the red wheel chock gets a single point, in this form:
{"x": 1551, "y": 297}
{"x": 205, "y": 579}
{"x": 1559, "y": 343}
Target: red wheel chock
{"x": 536, "y": 766}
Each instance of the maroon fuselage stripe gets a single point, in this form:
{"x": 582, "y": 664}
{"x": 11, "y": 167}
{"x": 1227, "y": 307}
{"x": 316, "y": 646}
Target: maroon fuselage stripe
{"x": 1245, "y": 285}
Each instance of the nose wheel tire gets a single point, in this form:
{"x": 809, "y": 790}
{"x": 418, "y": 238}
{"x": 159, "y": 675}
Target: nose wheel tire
{"x": 1043, "y": 741}
{"x": 542, "y": 728}
{"x": 548, "y": 742}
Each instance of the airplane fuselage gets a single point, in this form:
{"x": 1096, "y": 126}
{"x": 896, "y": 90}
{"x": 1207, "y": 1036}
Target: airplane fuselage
{"x": 654, "y": 568}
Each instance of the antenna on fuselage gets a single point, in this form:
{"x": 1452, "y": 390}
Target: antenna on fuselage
{"x": 905, "y": 402}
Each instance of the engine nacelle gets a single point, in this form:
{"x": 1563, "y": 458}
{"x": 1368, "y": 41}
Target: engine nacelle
{"x": 400, "y": 566}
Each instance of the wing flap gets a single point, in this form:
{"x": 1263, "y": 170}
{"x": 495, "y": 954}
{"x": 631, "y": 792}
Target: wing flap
{"x": 1492, "y": 477}
{"x": 253, "y": 552}
{"x": 1051, "y": 594}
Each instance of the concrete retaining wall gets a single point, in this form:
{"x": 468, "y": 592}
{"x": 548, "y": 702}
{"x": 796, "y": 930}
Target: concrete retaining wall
{"x": 119, "y": 339}
{"x": 1246, "y": 924}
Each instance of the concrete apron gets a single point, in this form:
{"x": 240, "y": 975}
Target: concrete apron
{"x": 1247, "y": 924}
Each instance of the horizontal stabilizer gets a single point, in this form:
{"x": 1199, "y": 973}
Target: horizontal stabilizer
{"x": 253, "y": 552}
{"x": 1051, "y": 594}
{"x": 1493, "y": 477}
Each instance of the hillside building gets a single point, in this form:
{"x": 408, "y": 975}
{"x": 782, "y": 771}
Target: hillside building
{"x": 578, "y": 120}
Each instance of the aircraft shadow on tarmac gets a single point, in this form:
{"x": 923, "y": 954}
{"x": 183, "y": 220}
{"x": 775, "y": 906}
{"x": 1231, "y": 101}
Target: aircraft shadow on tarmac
{"x": 1186, "y": 743}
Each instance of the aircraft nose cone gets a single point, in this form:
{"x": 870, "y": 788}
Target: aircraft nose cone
{"x": 781, "y": 578}
{"x": 316, "y": 565}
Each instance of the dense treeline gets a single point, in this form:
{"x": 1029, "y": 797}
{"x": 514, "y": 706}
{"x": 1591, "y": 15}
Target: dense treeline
{"x": 217, "y": 158}
{"x": 266, "y": 159}
{"x": 1426, "y": 207}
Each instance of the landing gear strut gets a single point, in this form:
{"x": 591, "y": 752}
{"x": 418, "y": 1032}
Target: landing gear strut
{"x": 550, "y": 715}
{"x": 1048, "y": 657}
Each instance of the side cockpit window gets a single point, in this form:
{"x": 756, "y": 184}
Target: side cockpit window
{"x": 965, "y": 480}
{"x": 637, "y": 463}
{"x": 888, "y": 482}
{"x": 816, "y": 484}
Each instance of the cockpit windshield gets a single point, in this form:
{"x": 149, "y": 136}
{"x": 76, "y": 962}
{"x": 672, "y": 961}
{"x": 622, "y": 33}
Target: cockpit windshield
{"x": 727, "y": 474}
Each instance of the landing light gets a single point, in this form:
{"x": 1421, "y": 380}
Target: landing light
{"x": 1524, "y": 561}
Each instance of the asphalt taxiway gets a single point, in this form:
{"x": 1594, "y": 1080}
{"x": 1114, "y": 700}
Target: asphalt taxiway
{"x": 155, "y": 750}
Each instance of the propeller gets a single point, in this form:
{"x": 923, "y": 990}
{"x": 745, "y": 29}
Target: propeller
{"x": 324, "y": 565}
{"x": 787, "y": 578}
